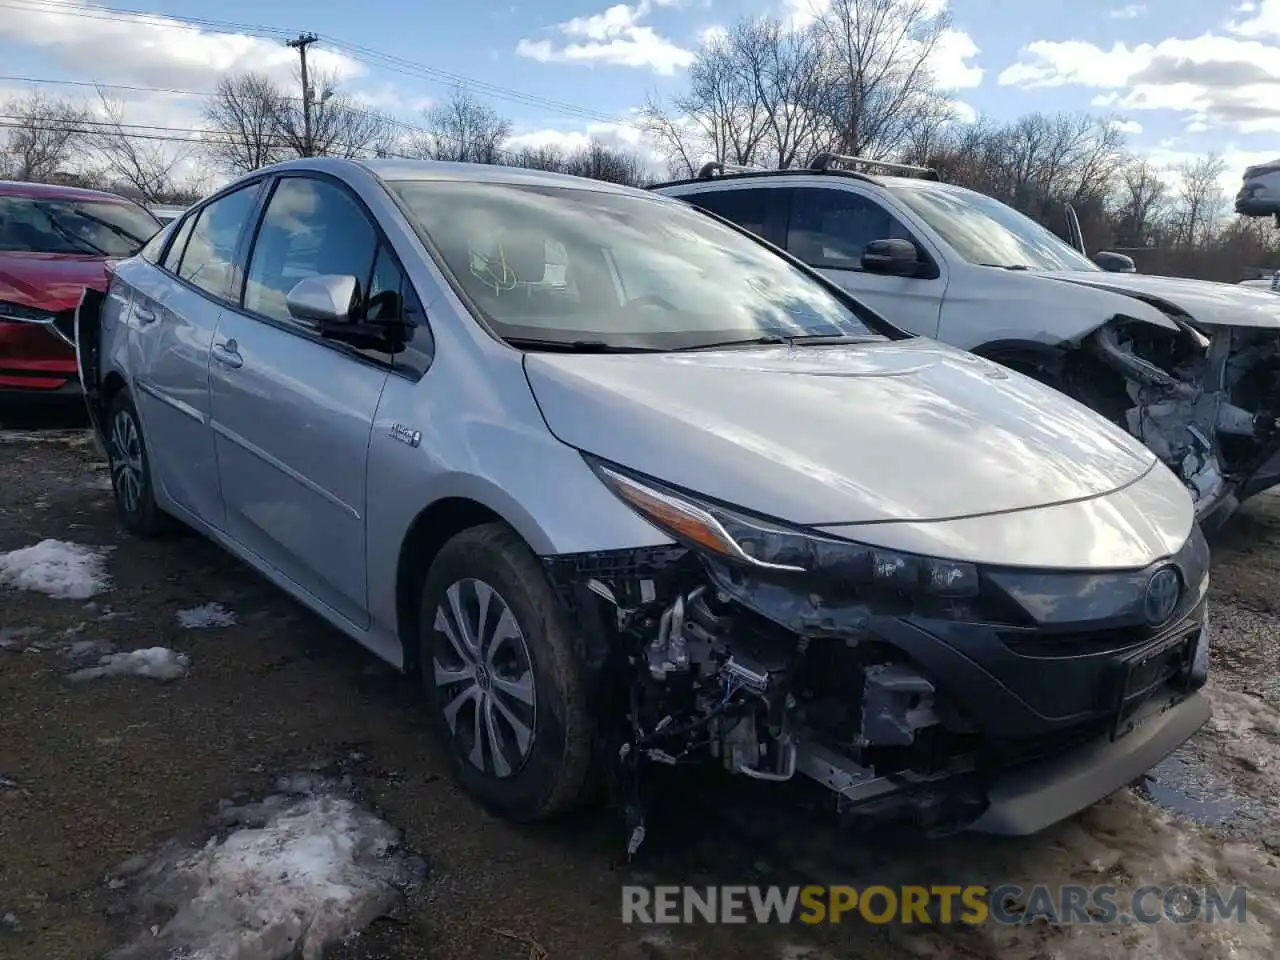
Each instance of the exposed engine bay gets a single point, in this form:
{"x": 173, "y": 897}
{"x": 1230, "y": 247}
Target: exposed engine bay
{"x": 706, "y": 678}
{"x": 1207, "y": 404}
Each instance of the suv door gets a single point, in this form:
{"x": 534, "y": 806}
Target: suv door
{"x": 175, "y": 310}
{"x": 293, "y": 412}
{"x": 829, "y": 227}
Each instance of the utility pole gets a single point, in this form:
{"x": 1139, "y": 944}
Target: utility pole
{"x": 305, "y": 40}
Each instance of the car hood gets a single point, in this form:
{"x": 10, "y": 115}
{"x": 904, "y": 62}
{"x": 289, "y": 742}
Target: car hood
{"x": 1203, "y": 301}
{"x": 47, "y": 280}
{"x": 892, "y": 430}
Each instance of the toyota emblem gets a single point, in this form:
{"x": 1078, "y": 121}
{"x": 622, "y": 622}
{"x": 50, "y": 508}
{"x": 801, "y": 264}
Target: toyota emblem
{"x": 1161, "y": 599}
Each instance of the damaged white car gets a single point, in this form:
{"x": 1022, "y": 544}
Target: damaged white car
{"x": 1189, "y": 367}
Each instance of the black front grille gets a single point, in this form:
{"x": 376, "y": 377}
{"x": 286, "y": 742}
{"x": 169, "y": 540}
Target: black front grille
{"x": 1039, "y": 644}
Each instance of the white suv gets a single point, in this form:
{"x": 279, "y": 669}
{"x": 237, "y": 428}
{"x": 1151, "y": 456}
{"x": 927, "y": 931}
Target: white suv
{"x": 1192, "y": 368}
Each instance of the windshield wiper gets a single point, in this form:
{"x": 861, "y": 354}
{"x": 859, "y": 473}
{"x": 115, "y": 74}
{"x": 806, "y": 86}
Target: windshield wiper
{"x": 575, "y": 346}
{"x": 1006, "y": 266}
{"x": 799, "y": 340}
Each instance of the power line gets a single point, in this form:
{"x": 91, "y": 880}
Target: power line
{"x": 358, "y": 52}
{"x": 204, "y": 93}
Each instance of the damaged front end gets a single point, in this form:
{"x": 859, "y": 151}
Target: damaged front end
{"x": 903, "y": 684}
{"x": 1206, "y": 403}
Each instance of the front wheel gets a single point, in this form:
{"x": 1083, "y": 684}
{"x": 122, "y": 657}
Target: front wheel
{"x": 504, "y": 682}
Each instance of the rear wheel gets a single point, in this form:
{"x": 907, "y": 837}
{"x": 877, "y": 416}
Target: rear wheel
{"x": 131, "y": 472}
{"x": 504, "y": 684}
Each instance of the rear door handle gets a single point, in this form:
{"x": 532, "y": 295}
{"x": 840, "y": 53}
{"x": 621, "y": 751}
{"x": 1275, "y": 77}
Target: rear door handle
{"x": 228, "y": 354}
{"x": 144, "y": 314}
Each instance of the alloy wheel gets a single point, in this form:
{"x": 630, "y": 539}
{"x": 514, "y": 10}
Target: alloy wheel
{"x": 126, "y": 460}
{"x": 484, "y": 677}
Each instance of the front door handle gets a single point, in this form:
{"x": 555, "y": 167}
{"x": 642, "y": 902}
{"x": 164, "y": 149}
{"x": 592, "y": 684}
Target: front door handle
{"x": 228, "y": 354}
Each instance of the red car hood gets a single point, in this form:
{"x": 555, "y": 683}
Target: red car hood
{"x": 51, "y": 281}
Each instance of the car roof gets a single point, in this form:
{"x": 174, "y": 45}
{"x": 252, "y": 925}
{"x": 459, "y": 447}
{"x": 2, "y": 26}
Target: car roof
{"x": 423, "y": 170}
{"x": 54, "y": 191}
{"x": 877, "y": 180}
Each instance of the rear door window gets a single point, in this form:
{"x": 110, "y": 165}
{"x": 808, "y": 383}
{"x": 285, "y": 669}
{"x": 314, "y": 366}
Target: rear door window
{"x": 209, "y": 258}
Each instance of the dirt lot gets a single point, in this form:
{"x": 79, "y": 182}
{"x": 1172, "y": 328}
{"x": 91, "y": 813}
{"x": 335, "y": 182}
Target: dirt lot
{"x": 111, "y": 785}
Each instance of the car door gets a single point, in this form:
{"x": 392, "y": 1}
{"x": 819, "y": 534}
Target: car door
{"x": 829, "y": 227}
{"x": 174, "y": 313}
{"x": 292, "y": 412}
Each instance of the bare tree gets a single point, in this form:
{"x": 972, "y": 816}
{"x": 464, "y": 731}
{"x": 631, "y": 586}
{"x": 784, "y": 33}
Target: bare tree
{"x": 340, "y": 127}
{"x": 600, "y": 162}
{"x": 1143, "y": 199}
{"x": 720, "y": 116}
{"x": 1200, "y": 203}
{"x": 42, "y": 135}
{"x": 243, "y": 116}
{"x": 463, "y": 129}
{"x": 878, "y": 71}
{"x": 539, "y": 158}
{"x": 147, "y": 166}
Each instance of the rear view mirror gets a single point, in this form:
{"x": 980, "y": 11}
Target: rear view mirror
{"x": 324, "y": 300}
{"x": 1115, "y": 262}
{"x": 896, "y": 257}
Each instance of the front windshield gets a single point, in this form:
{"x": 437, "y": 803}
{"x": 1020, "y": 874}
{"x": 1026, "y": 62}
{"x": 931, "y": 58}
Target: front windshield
{"x": 569, "y": 265}
{"x": 985, "y": 231}
{"x": 94, "y": 227}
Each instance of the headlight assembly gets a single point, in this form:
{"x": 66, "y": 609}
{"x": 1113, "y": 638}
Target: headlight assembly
{"x": 761, "y": 544}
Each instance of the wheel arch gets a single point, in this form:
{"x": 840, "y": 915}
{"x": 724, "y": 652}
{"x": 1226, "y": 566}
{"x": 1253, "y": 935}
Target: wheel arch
{"x": 433, "y": 527}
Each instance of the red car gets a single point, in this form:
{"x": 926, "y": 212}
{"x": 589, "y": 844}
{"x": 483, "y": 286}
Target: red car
{"x": 54, "y": 242}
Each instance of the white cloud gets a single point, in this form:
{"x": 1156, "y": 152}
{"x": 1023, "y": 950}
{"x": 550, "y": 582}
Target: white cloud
{"x": 616, "y": 36}
{"x": 1218, "y": 81}
{"x": 1130, "y": 12}
{"x": 152, "y": 50}
{"x": 712, "y": 34}
{"x": 1131, "y": 127}
{"x": 965, "y": 112}
{"x": 1236, "y": 161}
{"x": 1263, "y": 20}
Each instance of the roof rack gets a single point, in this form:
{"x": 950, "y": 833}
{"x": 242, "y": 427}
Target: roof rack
{"x": 711, "y": 167}
{"x": 827, "y": 161}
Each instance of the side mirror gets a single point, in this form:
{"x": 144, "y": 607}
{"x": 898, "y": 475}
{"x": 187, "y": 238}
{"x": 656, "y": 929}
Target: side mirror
{"x": 324, "y": 300}
{"x": 1115, "y": 262}
{"x": 899, "y": 258}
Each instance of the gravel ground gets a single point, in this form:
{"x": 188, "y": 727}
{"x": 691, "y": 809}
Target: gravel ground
{"x": 250, "y": 722}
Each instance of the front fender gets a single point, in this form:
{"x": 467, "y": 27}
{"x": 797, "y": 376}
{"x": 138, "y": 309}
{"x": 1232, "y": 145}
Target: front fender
{"x": 991, "y": 306}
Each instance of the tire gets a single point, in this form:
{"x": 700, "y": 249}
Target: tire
{"x": 131, "y": 472}
{"x": 522, "y": 779}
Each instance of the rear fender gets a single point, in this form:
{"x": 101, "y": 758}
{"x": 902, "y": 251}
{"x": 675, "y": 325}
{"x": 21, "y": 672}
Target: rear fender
{"x": 88, "y": 347}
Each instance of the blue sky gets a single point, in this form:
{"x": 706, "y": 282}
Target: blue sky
{"x": 1185, "y": 77}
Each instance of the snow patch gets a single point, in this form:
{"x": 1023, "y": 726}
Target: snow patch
{"x": 13, "y": 636}
{"x": 207, "y": 615}
{"x": 157, "y": 663}
{"x": 299, "y": 874}
{"x": 68, "y": 571}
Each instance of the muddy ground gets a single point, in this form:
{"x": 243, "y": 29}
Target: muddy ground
{"x": 107, "y": 771}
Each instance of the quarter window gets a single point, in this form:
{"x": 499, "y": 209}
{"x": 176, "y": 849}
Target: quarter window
{"x": 311, "y": 228}
{"x": 209, "y": 258}
{"x": 174, "y": 256}
{"x": 831, "y": 228}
